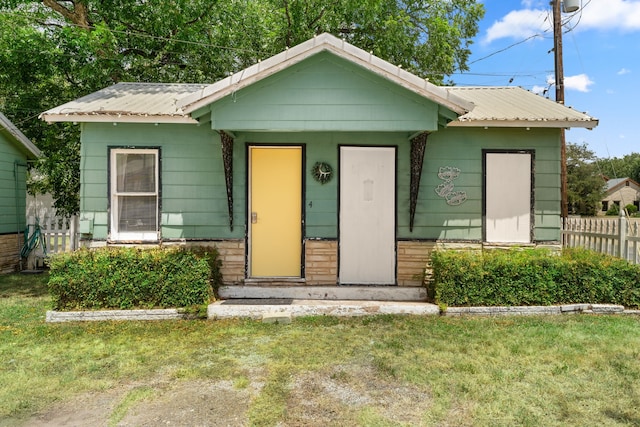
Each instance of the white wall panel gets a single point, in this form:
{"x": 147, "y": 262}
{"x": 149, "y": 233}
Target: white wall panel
{"x": 508, "y": 197}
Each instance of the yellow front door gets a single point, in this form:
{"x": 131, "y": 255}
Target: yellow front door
{"x": 275, "y": 211}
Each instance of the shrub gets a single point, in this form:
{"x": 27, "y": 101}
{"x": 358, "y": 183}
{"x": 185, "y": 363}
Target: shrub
{"x": 532, "y": 277}
{"x": 614, "y": 210}
{"x": 125, "y": 278}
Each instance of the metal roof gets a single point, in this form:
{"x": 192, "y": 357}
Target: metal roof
{"x": 128, "y": 102}
{"x": 613, "y": 182}
{"x": 515, "y": 107}
{"x": 174, "y": 103}
{"x": 25, "y": 142}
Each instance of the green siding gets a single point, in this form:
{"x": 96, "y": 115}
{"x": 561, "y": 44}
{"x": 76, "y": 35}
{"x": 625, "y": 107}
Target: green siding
{"x": 435, "y": 219}
{"x": 13, "y": 189}
{"x": 324, "y": 93}
{"x": 193, "y": 194}
{"x": 462, "y": 148}
{"x": 194, "y": 201}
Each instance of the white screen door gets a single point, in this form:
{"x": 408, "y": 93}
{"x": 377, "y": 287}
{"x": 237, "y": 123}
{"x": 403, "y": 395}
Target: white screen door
{"x": 508, "y": 197}
{"x": 367, "y": 215}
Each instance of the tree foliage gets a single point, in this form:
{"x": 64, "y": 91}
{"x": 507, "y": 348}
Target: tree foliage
{"x": 585, "y": 183}
{"x": 54, "y": 51}
{"x": 627, "y": 166}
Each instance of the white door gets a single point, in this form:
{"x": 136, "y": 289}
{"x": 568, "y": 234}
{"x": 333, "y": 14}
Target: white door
{"x": 508, "y": 197}
{"x": 367, "y": 215}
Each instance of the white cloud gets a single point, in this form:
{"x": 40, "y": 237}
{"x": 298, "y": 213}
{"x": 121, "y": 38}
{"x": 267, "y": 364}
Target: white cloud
{"x": 623, "y": 71}
{"x": 579, "y": 82}
{"x": 623, "y": 15}
{"x": 529, "y": 4}
{"x": 519, "y": 24}
{"x": 619, "y": 15}
{"x": 539, "y": 90}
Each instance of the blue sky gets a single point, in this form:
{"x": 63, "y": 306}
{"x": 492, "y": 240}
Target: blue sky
{"x": 601, "y": 44}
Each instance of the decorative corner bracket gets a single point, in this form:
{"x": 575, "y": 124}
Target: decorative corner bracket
{"x": 226, "y": 142}
{"x": 418, "y": 145}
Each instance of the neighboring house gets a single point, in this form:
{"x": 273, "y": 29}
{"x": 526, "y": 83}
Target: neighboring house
{"x": 15, "y": 151}
{"x": 322, "y": 165}
{"x": 620, "y": 192}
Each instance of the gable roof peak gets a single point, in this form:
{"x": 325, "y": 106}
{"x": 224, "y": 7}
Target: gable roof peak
{"x": 324, "y": 42}
{"x": 613, "y": 183}
{"x": 19, "y": 137}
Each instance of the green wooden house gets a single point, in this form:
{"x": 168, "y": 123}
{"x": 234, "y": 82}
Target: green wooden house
{"x": 15, "y": 150}
{"x": 321, "y": 166}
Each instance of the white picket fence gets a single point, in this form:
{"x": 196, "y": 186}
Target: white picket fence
{"x": 54, "y": 234}
{"x": 619, "y": 236}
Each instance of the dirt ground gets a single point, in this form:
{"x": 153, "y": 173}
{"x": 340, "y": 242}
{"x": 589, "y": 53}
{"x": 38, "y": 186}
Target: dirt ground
{"x": 335, "y": 397}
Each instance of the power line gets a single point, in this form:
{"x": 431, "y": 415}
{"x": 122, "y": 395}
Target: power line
{"x": 506, "y": 48}
{"x": 541, "y": 35}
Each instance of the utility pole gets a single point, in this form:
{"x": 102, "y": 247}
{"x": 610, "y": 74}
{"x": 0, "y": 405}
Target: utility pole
{"x": 559, "y": 67}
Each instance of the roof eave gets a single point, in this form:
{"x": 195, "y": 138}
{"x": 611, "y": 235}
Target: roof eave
{"x": 28, "y": 146}
{"x": 620, "y": 185}
{"x": 497, "y": 123}
{"x": 111, "y": 118}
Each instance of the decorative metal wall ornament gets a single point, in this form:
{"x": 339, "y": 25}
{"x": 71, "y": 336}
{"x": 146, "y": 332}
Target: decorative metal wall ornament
{"x": 448, "y": 173}
{"x": 456, "y": 198}
{"x": 322, "y": 172}
{"x": 418, "y": 146}
{"x": 446, "y": 190}
{"x": 226, "y": 142}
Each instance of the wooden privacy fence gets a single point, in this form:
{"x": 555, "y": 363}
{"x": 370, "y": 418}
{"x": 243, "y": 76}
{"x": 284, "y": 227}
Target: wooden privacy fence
{"x": 612, "y": 236}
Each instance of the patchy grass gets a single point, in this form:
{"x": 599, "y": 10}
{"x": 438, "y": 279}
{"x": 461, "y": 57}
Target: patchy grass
{"x": 134, "y": 396}
{"x": 562, "y": 370}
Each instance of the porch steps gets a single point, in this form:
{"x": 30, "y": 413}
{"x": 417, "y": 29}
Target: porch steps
{"x": 344, "y": 293}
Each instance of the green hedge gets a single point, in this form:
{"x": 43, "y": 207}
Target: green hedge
{"x": 532, "y": 277}
{"x": 125, "y": 278}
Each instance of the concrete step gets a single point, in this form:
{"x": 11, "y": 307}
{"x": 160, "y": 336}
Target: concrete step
{"x": 282, "y": 311}
{"x": 345, "y": 293}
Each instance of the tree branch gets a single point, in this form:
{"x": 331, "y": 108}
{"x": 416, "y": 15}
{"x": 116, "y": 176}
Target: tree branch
{"x": 78, "y": 14}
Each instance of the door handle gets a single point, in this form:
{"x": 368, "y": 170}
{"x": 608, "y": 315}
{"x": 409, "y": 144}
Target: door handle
{"x": 254, "y": 217}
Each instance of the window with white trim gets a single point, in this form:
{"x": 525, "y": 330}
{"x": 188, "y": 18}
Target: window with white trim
{"x": 134, "y": 193}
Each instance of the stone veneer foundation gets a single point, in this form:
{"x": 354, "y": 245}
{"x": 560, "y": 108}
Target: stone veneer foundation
{"x": 10, "y": 245}
{"x": 413, "y": 260}
{"x": 321, "y": 262}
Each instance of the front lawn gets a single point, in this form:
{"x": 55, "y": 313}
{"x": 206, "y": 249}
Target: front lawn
{"x": 558, "y": 370}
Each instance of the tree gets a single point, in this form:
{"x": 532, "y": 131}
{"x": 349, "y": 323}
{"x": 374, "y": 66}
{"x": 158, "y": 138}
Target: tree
{"x": 54, "y": 51}
{"x": 627, "y": 166}
{"x": 585, "y": 183}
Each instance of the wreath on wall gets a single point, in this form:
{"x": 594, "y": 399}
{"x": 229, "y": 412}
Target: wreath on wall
{"x": 322, "y": 172}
